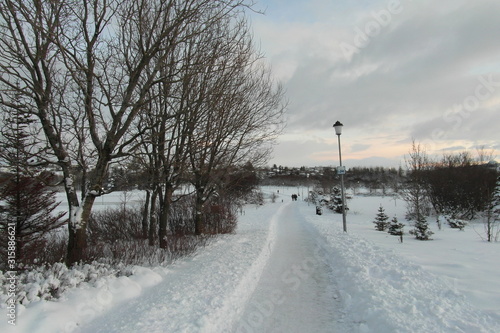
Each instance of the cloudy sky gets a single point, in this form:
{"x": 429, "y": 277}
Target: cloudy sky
{"x": 389, "y": 70}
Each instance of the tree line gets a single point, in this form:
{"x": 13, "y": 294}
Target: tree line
{"x": 457, "y": 187}
{"x": 177, "y": 85}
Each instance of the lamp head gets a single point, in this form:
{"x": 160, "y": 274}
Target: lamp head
{"x": 338, "y": 127}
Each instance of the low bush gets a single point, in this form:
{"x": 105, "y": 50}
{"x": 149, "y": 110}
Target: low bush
{"x": 50, "y": 282}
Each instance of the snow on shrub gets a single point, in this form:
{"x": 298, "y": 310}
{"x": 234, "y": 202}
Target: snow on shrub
{"x": 456, "y": 223}
{"x": 50, "y": 282}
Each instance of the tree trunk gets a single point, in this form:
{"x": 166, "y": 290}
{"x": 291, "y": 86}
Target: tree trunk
{"x": 199, "y": 226}
{"x": 145, "y": 215}
{"x": 77, "y": 241}
{"x": 165, "y": 211}
{"x": 152, "y": 218}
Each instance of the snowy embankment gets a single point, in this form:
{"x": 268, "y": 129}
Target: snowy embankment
{"x": 283, "y": 262}
{"x": 383, "y": 292}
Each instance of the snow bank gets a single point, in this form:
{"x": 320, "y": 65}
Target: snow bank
{"x": 84, "y": 292}
{"x": 383, "y": 292}
{"x": 223, "y": 318}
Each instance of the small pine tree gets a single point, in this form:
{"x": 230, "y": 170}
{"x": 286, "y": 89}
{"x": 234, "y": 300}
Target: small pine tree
{"x": 495, "y": 202}
{"x": 381, "y": 219}
{"x": 27, "y": 203}
{"x": 395, "y": 227}
{"x": 421, "y": 231}
{"x": 336, "y": 201}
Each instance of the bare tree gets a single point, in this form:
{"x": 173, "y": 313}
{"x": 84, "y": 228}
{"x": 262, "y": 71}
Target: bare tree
{"x": 30, "y": 66}
{"x": 208, "y": 77}
{"x": 163, "y": 149}
{"x": 484, "y": 156}
{"x": 97, "y": 60}
{"x": 168, "y": 118}
{"x": 238, "y": 112}
{"x": 417, "y": 162}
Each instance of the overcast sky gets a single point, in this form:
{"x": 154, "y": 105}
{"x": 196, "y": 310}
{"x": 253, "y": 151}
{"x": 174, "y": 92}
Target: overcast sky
{"x": 390, "y": 71}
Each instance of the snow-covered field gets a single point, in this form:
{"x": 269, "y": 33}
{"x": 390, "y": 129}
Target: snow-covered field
{"x": 290, "y": 270}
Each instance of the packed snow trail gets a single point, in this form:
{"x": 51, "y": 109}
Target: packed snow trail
{"x": 202, "y": 294}
{"x": 270, "y": 278}
{"x": 295, "y": 292}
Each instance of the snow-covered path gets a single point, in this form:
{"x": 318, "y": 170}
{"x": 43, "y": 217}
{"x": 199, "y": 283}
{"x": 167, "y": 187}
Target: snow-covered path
{"x": 296, "y": 292}
{"x": 271, "y": 278}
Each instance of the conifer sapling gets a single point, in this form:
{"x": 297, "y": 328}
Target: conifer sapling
{"x": 395, "y": 227}
{"x": 381, "y": 219}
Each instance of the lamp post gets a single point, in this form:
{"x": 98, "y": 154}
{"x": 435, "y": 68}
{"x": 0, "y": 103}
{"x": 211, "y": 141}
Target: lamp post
{"x": 341, "y": 171}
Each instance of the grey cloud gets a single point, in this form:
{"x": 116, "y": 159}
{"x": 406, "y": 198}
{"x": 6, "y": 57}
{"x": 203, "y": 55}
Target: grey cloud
{"x": 406, "y": 83}
{"x": 359, "y": 147}
{"x": 454, "y": 149}
{"x": 480, "y": 124}
{"x": 422, "y": 66}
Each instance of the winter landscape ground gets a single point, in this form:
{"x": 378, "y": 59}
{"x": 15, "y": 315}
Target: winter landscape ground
{"x": 287, "y": 269}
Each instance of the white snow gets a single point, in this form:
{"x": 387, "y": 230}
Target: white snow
{"x": 69, "y": 181}
{"x": 289, "y": 270}
{"x": 76, "y": 217}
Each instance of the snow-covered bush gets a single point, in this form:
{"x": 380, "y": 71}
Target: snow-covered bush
{"x": 456, "y": 223}
{"x": 256, "y": 197}
{"x": 491, "y": 215}
{"x": 50, "y": 282}
{"x": 495, "y": 202}
{"x": 314, "y": 197}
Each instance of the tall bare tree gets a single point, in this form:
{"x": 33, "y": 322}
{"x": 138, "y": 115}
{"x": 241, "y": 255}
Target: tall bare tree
{"x": 417, "y": 162}
{"x": 86, "y": 70}
{"x": 415, "y": 192}
{"x": 239, "y": 111}
{"x": 163, "y": 151}
{"x": 208, "y": 72}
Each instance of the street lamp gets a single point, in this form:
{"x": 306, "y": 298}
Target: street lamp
{"x": 341, "y": 171}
